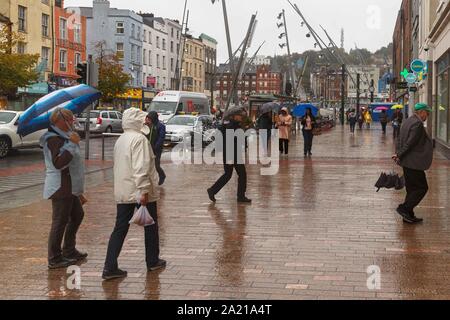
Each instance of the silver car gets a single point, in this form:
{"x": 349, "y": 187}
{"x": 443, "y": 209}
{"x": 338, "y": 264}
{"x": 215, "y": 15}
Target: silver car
{"x": 100, "y": 122}
{"x": 180, "y": 127}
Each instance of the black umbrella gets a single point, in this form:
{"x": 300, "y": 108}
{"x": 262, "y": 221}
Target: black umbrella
{"x": 390, "y": 181}
{"x": 268, "y": 107}
{"x": 234, "y": 111}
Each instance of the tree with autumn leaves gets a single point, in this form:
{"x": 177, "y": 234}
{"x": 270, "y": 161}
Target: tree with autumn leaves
{"x": 16, "y": 70}
{"x": 112, "y": 80}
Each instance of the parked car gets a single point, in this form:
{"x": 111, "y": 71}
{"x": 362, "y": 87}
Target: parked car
{"x": 178, "y": 128}
{"x": 100, "y": 121}
{"x": 9, "y": 139}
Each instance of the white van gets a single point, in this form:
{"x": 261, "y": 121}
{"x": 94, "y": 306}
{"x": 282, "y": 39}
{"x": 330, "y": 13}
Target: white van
{"x": 171, "y": 103}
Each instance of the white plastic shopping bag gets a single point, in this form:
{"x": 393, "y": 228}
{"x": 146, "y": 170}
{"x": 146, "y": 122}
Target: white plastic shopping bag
{"x": 142, "y": 217}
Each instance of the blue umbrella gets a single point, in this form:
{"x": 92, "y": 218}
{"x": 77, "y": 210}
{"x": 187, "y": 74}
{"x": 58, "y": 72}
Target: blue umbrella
{"x": 75, "y": 99}
{"x": 300, "y": 110}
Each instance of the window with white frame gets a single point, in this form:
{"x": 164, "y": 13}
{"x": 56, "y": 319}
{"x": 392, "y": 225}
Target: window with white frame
{"x": 171, "y": 64}
{"x": 145, "y": 35}
{"x": 144, "y": 54}
{"x": 164, "y": 62}
{"x": 22, "y": 18}
{"x": 120, "y": 28}
{"x": 77, "y": 33}
{"x": 133, "y": 53}
{"x": 171, "y": 46}
{"x": 138, "y": 55}
{"x": 119, "y": 50}
{"x": 157, "y": 41}
{"x": 45, "y": 54}
{"x": 138, "y": 36}
{"x": 164, "y": 44}
{"x": 149, "y": 58}
{"x": 77, "y": 60}
{"x": 62, "y": 60}
{"x": 62, "y": 28}
{"x": 21, "y": 48}
{"x": 45, "y": 24}
{"x": 157, "y": 61}
{"x": 133, "y": 30}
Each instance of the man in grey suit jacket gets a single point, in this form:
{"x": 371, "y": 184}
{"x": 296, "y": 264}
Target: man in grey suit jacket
{"x": 415, "y": 155}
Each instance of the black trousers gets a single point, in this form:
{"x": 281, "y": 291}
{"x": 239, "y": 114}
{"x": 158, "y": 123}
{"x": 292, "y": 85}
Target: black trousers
{"x": 284, "y": 146}
{"x": 308, "y": 140}
{"x": 416, "y": 188}
{"x": 161, "y": 173}
{"x": 223, "y": 180}
{"x": 383, "y": 126}
{"x": 352, "y": 127}
{"x": 124, "y": 214}
{"x": 66, "y": 219}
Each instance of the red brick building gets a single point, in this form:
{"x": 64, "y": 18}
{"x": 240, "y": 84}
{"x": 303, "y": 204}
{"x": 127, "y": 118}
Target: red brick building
{"x": 255, "y": 80}
{"x": 403, "y": 48}
{"x": 70, "y": 45}
{"x": 268, "y": 82}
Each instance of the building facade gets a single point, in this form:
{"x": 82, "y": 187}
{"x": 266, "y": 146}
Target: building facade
{"x": 426, "y": 37}
{"x": 155, "y": 53}
{"x": 193, "y": 73}
{"x": 70, "y": 45}
{"x": 174, "y": 38}
{"x": 119, "y": 31}
{"x": 33, "y": 21}
{"x": 368, "y": 74}
{"x": 268, "y": 82}
{"x": 403, "y": 51}
{"x": 210, "y": 62}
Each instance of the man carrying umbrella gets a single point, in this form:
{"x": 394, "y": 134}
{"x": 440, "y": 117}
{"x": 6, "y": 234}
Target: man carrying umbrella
{"x": 64, "y": 185}
{"x": 233, "y": 119}
{"x": 415, "y": 155}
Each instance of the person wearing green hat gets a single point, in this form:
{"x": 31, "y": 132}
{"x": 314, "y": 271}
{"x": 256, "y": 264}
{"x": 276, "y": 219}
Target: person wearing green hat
{"x": 415, "y": 155}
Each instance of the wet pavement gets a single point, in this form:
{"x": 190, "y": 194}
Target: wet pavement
{"x": 311, "y": 232}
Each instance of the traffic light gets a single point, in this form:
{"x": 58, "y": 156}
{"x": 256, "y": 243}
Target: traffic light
{"x": 82, "y": 73}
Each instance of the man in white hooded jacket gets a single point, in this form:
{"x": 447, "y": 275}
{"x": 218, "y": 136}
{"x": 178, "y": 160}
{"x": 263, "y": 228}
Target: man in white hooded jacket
{"x": 134, "y": 175}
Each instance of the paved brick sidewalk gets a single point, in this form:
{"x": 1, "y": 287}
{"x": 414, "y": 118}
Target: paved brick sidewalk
{"x": 311, "y": 233}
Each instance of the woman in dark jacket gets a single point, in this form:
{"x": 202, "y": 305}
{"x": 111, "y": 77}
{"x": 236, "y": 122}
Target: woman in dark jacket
{"x": 308, "y": 124}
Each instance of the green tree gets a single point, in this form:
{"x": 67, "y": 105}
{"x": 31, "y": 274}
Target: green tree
{"x": 112, "y": 80}
{"x": 16, "y": 70}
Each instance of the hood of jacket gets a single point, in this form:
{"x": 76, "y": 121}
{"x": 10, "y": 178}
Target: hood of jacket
{"x": 133, "y": 119}
{"x": 52, "y": 132}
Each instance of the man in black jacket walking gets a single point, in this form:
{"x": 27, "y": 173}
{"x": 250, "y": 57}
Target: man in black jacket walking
{"x": 415, "y": 155}
{"x": 233, "y": 161}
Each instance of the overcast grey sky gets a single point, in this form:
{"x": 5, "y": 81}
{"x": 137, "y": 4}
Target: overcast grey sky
{"x": 368, "y": 23}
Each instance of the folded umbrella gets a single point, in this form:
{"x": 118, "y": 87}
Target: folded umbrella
{"x": 390, "y": 181}
{"x": 75, "y": 99}
{"x": 381, "y": 108}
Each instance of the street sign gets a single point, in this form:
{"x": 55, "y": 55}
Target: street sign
{"x": 418, "y": 65}
{"x": 411, "y": 78}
